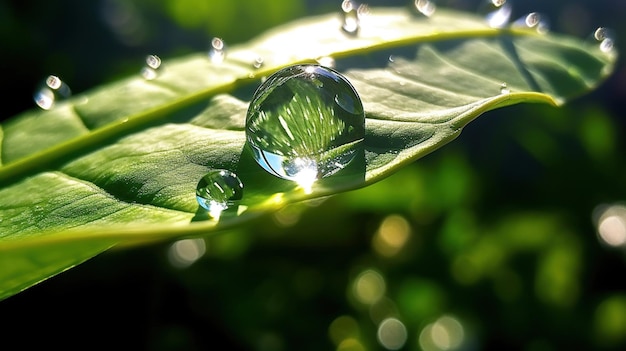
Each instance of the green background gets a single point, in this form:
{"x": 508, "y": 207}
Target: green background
{"x": 502, "y": 235}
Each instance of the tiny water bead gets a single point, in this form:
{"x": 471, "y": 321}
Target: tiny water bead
{"x": 150, "y": 70}
{"x": 219, "y": 190}
{"x": 50, "y": 91}
{"x": 534, "y": 20}
{"x": 217, "y": 51}
{"x": 504, "y": 89}
{"x": 305, "y": 122}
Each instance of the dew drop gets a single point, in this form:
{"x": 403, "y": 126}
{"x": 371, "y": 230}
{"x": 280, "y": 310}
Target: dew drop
{"x": 219, "y": 190}
{"x": 504, "y": 89}
{"x": 150, "y": 70}
{"x": 352, "y": 12}
{"x": 424, "y": 7}
{"x": 534, "y": 20}
{"x": 217, "y": 52}
{"x": 305, "y": 122}
{"x": 496, "y": 12}
{"x": 50, "y": 92}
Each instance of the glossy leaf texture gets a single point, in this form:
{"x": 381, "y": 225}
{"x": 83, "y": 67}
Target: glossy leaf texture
{"x": 119, "y": 164}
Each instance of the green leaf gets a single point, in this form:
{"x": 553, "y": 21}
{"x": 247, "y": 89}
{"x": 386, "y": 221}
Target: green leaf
{"x": 119, "y": 164}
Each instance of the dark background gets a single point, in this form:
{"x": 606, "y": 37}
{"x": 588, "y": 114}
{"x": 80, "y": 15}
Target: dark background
{"x": 502, "y": 233}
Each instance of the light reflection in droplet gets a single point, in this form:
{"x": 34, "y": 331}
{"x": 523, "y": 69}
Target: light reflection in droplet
{"x": 352, "y": 14}
{"x": 611, "y": 224}
{"x": 258, "y": 62}
{"x": 606, "y": 38}
{"x": 184, "y": 252}
{"x": 369, "y": 287}
{"x": 392, "y": 235}
{"x": 392, "y": 334}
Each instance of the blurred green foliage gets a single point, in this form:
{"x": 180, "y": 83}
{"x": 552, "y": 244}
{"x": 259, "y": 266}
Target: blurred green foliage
{"x": 494, "y": 231}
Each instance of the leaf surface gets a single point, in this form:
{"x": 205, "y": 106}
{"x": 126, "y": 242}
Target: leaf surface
{"x": 119, "y": 164}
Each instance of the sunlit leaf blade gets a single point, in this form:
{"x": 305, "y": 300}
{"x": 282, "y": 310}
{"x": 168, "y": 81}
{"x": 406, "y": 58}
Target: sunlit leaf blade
{"x": 119, "y": 164}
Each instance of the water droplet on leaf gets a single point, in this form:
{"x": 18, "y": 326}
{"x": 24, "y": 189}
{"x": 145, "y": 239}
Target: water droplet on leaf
{"x": 305, "y": 122}
{"x": 217, "y": 52}
{"x": 219, "y": 190}
{"x": 150, "y": 70}
{"x": 424, "y": 7}
{"x": 534, "y": 20}
{"x": 497, "y": 12}
{"x": 51, "y": 91}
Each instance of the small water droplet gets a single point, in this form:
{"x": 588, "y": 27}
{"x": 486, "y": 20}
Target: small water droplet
{"x": 150, "y": 70}
{"x": 424, "y": 7}
{"x": 496, "y": 12}
{"x": 504, "y": 89}
{"x": 219, "y": 190}
{"x": 534, "y": 20}
{"x": 217, "y": 52}
{"x": 305, "y": 122}
{"x": 50, "y": 92}
{"x": 352, "y": 13}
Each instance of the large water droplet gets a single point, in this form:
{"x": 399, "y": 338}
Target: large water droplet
{"x": 50, "y": 91}
{"x": 305, "y": 122}
{"x": 497, "y": 12}
{"x": 150, "y": 70}
{"x": 352, "y": 12}
{"x": 219, "y": 190}
{"x": 217, "y": 51}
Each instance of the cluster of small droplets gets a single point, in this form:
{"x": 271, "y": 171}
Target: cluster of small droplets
{"x": 352, "y": 14}
{"x": 425, "y": 7}
{"x": 50, "y": 91}
{"x": 151, "y": 68}
{"x": 217, "y": 51}
{"x": 606, "y": 39}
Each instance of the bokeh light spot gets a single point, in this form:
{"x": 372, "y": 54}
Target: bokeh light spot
{"x": 343, "y": 328}
{"x": 369, "y": 287}
{"x": 611, "y": 224}
{"x": 392, "y": 235}
{"x": 185, "y": 252}
{"x": 392, "y": 334}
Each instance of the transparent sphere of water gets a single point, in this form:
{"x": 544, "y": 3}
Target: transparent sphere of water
{"x": 218, "y": 190}
{"x": 305, "y": 122}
